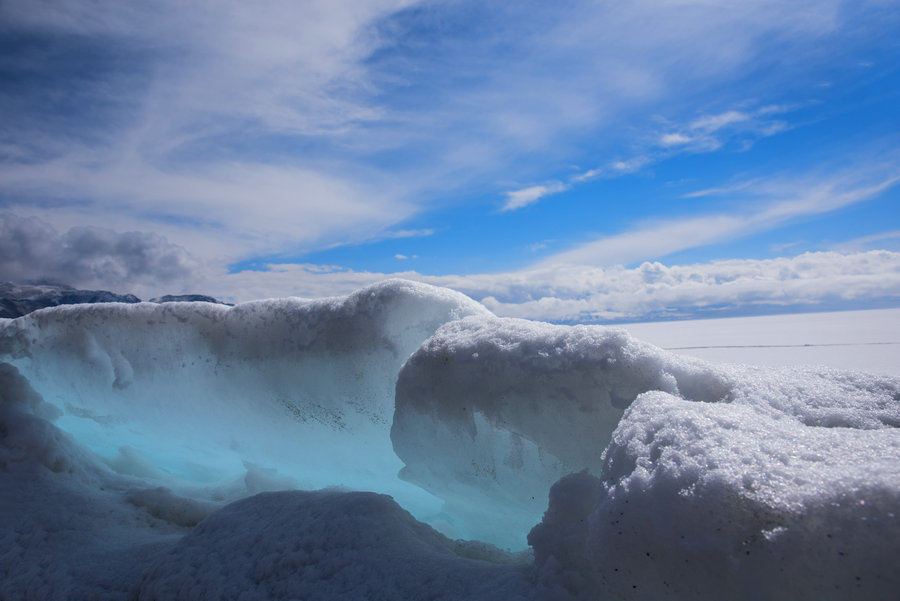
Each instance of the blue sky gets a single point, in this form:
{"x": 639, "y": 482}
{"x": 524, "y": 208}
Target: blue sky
{"x": 572, "y": 161}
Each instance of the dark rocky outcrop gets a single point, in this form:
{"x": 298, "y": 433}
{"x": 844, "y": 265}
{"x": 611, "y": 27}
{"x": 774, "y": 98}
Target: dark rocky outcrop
{"x": 20, "y": 299}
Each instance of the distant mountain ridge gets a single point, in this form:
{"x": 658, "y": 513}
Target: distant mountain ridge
{"x": 17, "y": 300}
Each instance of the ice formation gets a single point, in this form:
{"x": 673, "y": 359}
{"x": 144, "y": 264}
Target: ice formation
{"x": 283, "y": 393}
{"x": 128, "y": 432}
{"x": 761, "y": 496}
{"x": 490, "y": 412}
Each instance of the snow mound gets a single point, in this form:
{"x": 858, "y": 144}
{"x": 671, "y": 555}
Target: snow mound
{"x": 326, "y": 545}
{"x": 728, "y": 467}
{"x": 766, "y": 495}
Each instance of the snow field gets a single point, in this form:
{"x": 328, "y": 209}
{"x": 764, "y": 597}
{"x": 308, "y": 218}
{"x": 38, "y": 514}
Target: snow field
{"x": 851, "y": 340}
{"x": 128, "y": 432}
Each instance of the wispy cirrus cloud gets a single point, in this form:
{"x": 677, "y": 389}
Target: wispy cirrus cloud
{"x": 319, "y": 87}
{"x": 211, "y": 208}
{"x": 889, "y": 239}
{"x": 184, "y": 118}
{"x": 423, "y": 233}
{"x": 278, "y": 128}
{"x": 711, "y": 132}
{"x": 706, "y": 133}
{"x": 594, "y": 282}
{"x": 721, "y": 190}
{"x": 675, "y": 139}
{"x": 764, "y": 205}
{"x": 517, "y": 199}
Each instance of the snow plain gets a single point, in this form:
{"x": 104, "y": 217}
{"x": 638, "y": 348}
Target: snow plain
{"x": 854, "y": 340}
{"x": 141, "y": 448}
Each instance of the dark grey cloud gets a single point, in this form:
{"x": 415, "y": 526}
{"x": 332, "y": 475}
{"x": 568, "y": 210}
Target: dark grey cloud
{"x": 32, "y": 251}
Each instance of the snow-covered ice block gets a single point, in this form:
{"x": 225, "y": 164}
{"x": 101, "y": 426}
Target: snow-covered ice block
{"x": 787, "y": 489}
{"x": 302, "y": 390}
{"x": 490, "y": 412}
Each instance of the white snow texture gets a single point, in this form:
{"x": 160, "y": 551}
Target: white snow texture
{"x": 138, "y": 444}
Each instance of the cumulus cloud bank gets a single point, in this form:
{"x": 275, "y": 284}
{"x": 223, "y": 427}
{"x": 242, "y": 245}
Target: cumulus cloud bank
{"x": 775, "y": 203}
{"x": 651, "y": 290}
{"x": 32, "y": 251}
{"x": 146, "y": 264}
{"x": 656, "y": 290}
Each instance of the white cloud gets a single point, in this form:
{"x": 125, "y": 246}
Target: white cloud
{"x": 147, "y": 265}
{"x": 202, "y": 80}
{"x": 275, "y": 61}
{"x": 675, "y": 139}
{"x": 654, "y": 289}
{"x": 517, "y": 199}
{"x": 633, "y": 164}
{"x": 721, "y": 191}
{"x": 246, "y": 71}
{"x": 588, "y": 175}
{"x": 250, "y": 128}
{"x": 712, "y": 123}
{"x": 580, "y": 293}
{"x": 773, "y": 204}
{"x": 866, "y": 242}
{"x": 583, "y": 283}
{"x": 711, "y": 132}
{"x": 217, "y": 209}
{"x": 31, "y": 251}
{"x": 423, "y": 233}
{"x": 654, "y": 240}
{"x": 707, "y": 133}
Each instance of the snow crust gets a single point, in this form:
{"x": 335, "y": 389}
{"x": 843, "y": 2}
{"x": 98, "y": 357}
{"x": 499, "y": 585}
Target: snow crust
{"x": 137, "y": 443}
{"x": 328, "y": 545}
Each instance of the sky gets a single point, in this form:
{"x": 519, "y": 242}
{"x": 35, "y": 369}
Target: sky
{"x": 568, "y": 161}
